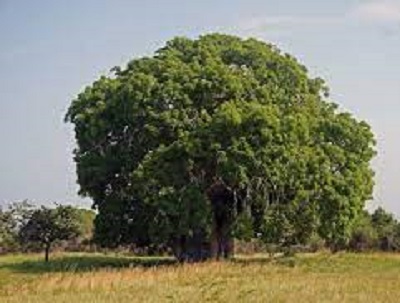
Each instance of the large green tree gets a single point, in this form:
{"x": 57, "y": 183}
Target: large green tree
{"x": 181, "y": 149}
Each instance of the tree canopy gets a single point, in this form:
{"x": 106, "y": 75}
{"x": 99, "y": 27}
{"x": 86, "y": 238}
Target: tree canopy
{"x": 212, "y": 136}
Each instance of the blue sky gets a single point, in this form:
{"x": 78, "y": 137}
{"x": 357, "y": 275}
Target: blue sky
{"x": 50, "y": 50}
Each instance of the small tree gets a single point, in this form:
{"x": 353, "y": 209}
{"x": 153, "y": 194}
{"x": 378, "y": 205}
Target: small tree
{"x": 47, "y": 226}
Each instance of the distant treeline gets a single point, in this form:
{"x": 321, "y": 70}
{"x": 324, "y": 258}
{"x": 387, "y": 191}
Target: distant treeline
{"x": 377, "y": 231}
{"x": 373, "y": 231}
{"x": 28, "y": 228}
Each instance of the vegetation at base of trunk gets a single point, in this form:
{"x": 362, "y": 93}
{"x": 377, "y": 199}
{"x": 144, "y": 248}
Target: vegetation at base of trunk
{"x": 178, "y": 149}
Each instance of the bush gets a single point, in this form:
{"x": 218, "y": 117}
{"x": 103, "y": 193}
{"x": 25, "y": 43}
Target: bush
{"x": 364, "y": 235}
{"x": 316, "y": 243}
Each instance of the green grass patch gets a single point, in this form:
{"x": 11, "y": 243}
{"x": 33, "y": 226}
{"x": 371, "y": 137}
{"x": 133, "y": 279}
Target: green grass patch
{"x": 101, "y": 278}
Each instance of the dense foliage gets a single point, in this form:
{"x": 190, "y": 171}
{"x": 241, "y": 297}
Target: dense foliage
{"x": 8, "y": 238}
{"x": 377, "y": 231}
{"x": 11, "y": 219}
{"x": 214, "y": 138}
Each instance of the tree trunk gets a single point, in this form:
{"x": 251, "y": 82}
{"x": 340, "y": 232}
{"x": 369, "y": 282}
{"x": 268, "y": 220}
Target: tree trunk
{"x": 214, "y": 242}
{"x": 224, "y": 207}
{"x": 46, "y": 252}
{"x": 221, "y": 241}
{"x": 226, "y": 239}
{"x": 191, "y": 248}
{"x": 228, "y": 247}
{"x": 178, "y": 249}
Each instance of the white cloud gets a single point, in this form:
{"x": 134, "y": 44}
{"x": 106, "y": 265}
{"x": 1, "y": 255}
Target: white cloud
{"x": 378, "y": 11}
{"x": 286, "y": 21}
{"x": 375, "y": 12}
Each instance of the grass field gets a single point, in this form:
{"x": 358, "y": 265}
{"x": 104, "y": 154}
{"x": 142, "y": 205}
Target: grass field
{"x": 109, "y": 278}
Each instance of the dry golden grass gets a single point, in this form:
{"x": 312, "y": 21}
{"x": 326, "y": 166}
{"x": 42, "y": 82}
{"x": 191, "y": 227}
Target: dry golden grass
{"x": 306, "y": 278}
